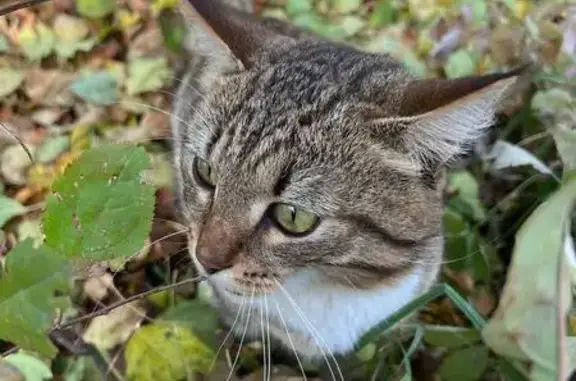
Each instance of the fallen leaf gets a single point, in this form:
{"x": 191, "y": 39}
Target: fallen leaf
{"x": 506, "y": 155}
{"x": 9, "y": 209}
{"x": 14, "y": 162}
{"x": 95, "y": 8}
{"x": 116, "y": 327}
{"x": 100, "y": 88}
{"x": 97, "y": 287}
{"x": 147, "y": 74}
{"x": 36, "y": 41}
{"x": 49, "y": 87}
{"x": 11, "y": 80}
{"x": 31, "y": 367}
{"x": 164, "y": 351}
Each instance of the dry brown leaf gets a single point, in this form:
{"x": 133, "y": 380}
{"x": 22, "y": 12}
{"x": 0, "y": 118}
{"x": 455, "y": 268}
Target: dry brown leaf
{"x": 49, "y": 87}
{"x": 115, "y": 328}
{"x": 97, "y": 287}
{"x": 14, "y": 164}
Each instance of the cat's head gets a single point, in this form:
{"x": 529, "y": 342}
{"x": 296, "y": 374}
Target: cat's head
{"x": 296, "y": 153}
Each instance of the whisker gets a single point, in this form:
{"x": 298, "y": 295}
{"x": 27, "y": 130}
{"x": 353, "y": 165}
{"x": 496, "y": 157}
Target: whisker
{"x": 240, "y": 310}
{"x": 243, "y": 335}
{"x": 268, "y": 338}
{"x": 317, "y": 337}
{"x": 291, "y": 342}
{"x": 264, "y": 357}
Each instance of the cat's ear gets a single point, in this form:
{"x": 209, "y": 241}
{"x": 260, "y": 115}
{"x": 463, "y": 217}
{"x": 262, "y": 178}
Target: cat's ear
{"x": 222, "y": 32}
{"x": 439, "y": 118}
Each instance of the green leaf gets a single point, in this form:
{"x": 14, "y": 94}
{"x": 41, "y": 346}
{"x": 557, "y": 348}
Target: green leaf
{"x": 147, "y": 74}
{"x": 465, "y": 185}
{"x": 565, "y": 140}
{"x": 164, "y": 351}
{"x": 9, "y": 209}
{"x": 36, "y": 41}
{"x": 450, "y": 337}
{"x": 52, "y": 148}
{"x": 101, "y": 209}
{"x": 100, "y": 88}
{"x": 384, "y": 14}
{"x": 346, "y": 6}
{"x": 4, "y": 45}
{"x": 468, "y": 364}
{"x": 294, "y": 7}
{"x": 524, "y": 325}
{"x": 11, "y": 79}
{"x": 461, "y": 63}
{"x": 197, "y": 315}
{"x": 384, "y": 43}
{"x": 27, "y": 287}
{"x": 31, "y": 367}
{"x": 95, "y": 9}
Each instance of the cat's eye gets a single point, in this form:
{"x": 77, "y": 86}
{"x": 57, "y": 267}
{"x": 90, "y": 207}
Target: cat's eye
{"x": 293, "y": 220}
{"x": 205, "y": 174}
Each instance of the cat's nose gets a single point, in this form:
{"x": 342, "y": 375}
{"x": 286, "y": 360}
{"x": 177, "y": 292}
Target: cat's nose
{"x": 213, "y": 261}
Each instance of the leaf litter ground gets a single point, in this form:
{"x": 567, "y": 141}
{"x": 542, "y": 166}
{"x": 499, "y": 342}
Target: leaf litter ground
{"x": 79, "y": 74}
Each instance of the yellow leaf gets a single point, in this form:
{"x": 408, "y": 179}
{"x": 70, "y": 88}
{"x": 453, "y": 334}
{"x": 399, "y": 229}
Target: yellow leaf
{"x": 521, "y": 9}
{"x": 127, "y": 19}
{"x": 165, "y": 351}
{"x": 159, "y": 5}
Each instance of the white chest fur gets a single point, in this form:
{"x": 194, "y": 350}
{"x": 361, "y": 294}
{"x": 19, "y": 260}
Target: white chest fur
{"x": 321, "y": 317}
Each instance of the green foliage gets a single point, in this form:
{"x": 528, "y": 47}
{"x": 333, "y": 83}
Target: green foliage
{"x": 31, "y": 367}
{"x": 10, "y": 79}
{"x": 27, "y": 286}
{"x": 467, "y": 364}
{"x": 164, "y": 351}
{"x": 146, "y": 74}
{"x": 100, "y": 88}
{"x": 95, "y": 8}
{"x": 9, "y": 209}
{"x": 100, "y": 209}
{"x": 525, "y": 324}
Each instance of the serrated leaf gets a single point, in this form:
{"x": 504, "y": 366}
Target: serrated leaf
{"x": 9, "y": 209}
{"x": 31, "y": 367}
{"x": 468, "y": 364}
{"x": 36, "y": 41}
{"x": 100, "y": 88}
{"x": 524, "y": 325}
{"x": 95, "y": 8}
{"x": 100, "y": 209}
{"x": 164, "y": 351}
{"x": 147, "y": 74}
{"x": 27, "y": 287}
{"x": 11, "y": 79}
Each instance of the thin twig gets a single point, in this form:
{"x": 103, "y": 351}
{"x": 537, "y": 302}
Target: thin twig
{"x": 120, "y": 303}
{"x": 14, "y": 5}
{"x": 12, "y": 134}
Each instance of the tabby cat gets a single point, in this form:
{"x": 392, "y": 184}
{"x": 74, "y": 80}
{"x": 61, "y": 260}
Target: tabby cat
{"x": 307, "y": 172}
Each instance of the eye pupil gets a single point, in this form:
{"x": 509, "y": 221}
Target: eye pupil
{"x": 205, "y": 175}
{"x": 292, "y": 220}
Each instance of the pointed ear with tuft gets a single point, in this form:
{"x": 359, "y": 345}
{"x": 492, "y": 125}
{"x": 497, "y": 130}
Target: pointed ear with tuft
{"x": 224, "y": 33}
{"x": 439, "y": 118}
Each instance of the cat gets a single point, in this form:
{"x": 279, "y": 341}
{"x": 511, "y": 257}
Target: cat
{"x": 308, "y": 171}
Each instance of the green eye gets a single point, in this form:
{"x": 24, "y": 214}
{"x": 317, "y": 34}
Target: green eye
{"x": 293, "y": 220}
{"x": 206, "y": 176}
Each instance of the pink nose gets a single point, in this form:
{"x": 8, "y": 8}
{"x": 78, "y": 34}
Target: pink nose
{"x": 217, "y": 248}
